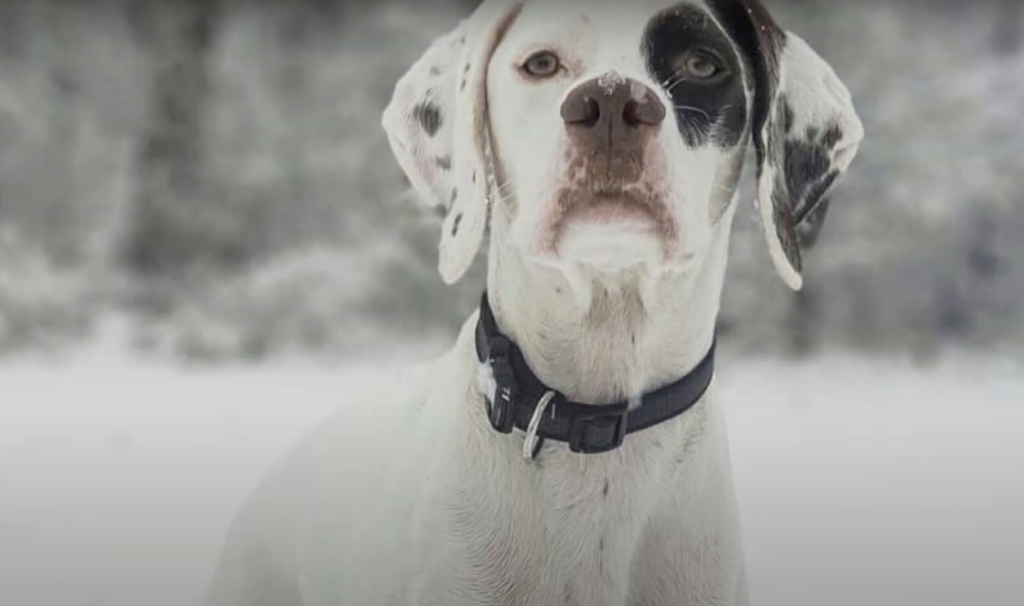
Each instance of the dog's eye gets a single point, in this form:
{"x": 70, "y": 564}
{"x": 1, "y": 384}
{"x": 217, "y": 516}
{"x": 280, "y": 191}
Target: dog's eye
{"x": 701, "y": 66}
{"x": 542, "y": 65}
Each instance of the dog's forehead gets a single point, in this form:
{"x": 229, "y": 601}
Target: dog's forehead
{"x": 598, "y": 25}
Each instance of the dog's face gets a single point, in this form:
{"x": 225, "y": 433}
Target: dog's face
{"x": 613, "y": 128}
{"x": 611, "y": 134}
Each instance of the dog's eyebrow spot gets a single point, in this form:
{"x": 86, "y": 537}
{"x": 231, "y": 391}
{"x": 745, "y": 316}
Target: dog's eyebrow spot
{"x": 429, "y": 117}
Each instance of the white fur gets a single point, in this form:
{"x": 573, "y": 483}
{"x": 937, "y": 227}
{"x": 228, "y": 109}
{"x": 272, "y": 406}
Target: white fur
{"x": 412, "y": 499}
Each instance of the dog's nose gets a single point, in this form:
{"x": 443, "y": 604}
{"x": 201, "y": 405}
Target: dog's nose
{"x": 612, "y": 106}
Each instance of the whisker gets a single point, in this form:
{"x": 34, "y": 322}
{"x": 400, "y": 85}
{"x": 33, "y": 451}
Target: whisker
{"x": 687, "y": 108}
{"x": 671, "y": 82}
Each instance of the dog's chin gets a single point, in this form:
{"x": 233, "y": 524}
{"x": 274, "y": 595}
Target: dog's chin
{"x": 611, "y": 233}
{"x": 611, "y": 246}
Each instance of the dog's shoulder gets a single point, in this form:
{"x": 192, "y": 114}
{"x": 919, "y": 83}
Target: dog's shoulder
{"x": 337, "y": 495}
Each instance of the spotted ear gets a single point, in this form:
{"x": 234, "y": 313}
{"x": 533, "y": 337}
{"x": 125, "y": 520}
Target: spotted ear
{"x": 806, "y": 133}
{"x": 438, "y": 128}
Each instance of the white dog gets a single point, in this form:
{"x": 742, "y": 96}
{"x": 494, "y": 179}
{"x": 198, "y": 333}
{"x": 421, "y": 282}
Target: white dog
{"x": 567, "y": 450}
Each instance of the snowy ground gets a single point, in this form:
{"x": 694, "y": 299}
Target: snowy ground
{"x": 862, "y": 481}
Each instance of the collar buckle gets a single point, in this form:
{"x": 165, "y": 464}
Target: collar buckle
{"x": 605, "y": 428}
{"x": 502, "y": 409}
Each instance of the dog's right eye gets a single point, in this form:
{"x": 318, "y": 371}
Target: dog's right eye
{"x": 542, "y": 65}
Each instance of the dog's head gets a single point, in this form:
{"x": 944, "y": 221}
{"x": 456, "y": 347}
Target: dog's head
{"x": 613, "y": 133}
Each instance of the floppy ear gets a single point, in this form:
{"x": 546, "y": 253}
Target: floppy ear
{"x": 806, "y": 132}
{"x": 438, "y": 128}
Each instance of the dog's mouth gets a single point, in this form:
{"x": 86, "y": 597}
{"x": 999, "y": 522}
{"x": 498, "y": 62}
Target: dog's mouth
{"x": 610, "y": 206}
{"x": 606, "y": 207}
{"x": 609, "y": 226}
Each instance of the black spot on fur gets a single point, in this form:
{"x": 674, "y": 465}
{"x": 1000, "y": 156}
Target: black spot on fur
{"x": 600, "y": 545}
{"x": 806, "y": 163}
{"x": 783, "y": 215}
{"x": 706, "y": 112}
{"x": 474, "y": 176}
{"x": 444, "y": 162}
{"x": 832, "y": 136}
{"x": 435, "y": 71}
{"x": 429, "y": 117}
{"x": 455, "y": 196}
{"x": 786, "y": 115}
{"x": 462, "y": 85}
{"x": 810, "y": 225}
{"x": 804, "y": 178}
{"x": 456, "y": 223}
{"x": 607, "y": 487}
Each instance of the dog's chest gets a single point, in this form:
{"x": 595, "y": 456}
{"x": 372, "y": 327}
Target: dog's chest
{"x": 594, "y": 522}
{"x": 564, "y": 530}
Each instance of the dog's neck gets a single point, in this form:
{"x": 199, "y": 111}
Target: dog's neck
{"x": 602, "y": 338}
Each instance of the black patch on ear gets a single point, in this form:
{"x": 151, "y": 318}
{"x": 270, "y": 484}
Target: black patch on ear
{"x": 805, "y": 175}
{"x": 444, "y": 162}
{"x": 832, "y": 136}
{"x": 808, "y": 169}
{"x": 429, "y": 117}
{"x": 784, "y": 227}
{"x": 806, "y": 162}
{"x": 809, "y": 228}
{"x": 786, "y": 115}
{"x": 456, "y": 223}
{"x": 713, "y": 112}
{"x": 760, "y": 39}
{"x": 782, "y": 201}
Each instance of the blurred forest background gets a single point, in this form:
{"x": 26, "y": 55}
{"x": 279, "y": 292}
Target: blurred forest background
{"x": 213, "y": 175}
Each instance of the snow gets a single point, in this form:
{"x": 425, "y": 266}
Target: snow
{"x": 862, "y": 481}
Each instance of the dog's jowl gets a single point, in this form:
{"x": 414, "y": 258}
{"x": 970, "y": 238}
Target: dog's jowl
{"x": 569, "y": 448}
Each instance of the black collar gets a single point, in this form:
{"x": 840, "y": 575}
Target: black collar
{"x": 587, "y": 428}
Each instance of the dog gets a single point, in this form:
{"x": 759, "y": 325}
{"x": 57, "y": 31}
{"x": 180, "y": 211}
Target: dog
{"x": 568, "y": 449}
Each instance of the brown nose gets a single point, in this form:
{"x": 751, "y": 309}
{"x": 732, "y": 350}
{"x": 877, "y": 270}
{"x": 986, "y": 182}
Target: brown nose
{"x": 609, "y": 121}
{"x": 615, "y": 106}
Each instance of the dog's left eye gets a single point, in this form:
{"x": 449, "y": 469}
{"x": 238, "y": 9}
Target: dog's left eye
{"x": 542, "y": 65}
{"x": 701, "y": 66}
